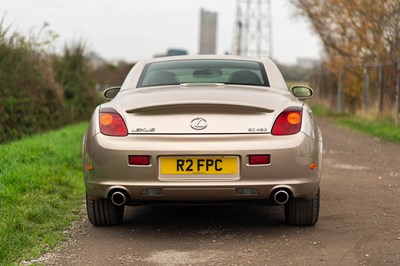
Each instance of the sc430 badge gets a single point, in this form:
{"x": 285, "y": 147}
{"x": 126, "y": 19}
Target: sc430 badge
{"x": 254, "y": 129}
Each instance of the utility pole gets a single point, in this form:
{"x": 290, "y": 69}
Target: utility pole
{"x": 253, "y": 28}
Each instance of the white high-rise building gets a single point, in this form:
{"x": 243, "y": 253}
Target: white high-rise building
{"x": 208, "y": 32}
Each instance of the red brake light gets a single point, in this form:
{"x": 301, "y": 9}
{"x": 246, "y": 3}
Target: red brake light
{"x": 288, "y": 122}
{"x": 111, "y": 123}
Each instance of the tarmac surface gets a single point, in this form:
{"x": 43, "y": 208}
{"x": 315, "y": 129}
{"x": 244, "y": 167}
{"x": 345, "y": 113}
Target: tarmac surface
{"x": 359, "y": 221}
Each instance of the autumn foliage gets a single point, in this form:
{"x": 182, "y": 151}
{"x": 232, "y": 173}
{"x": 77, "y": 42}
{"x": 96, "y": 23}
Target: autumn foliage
{"x": 356, "y": 34}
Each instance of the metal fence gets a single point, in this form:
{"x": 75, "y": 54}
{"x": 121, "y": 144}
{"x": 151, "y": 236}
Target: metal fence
{"x": 372, "y": 88}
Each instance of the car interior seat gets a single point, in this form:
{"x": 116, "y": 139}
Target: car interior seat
{"x": 162, "y": 78}
{"x": 244, "y": 77}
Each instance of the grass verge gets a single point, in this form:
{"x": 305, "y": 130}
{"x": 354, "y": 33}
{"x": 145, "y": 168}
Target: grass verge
{"x": 382, "y": 128}
{"x": 41, "y": 191}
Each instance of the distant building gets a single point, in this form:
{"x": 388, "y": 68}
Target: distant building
{"x": 307, "y": 62}
{"x": 208, "y": 32}
{"x": 172, "y": 52}
{"x": 95, "y": 61}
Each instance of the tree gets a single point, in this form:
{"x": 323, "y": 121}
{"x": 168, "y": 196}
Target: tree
{"x": 354, "y": 32}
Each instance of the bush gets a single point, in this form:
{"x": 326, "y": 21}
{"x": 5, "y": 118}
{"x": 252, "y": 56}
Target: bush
{"x": 38, "y": 90}
{"x": 75, "y": 76}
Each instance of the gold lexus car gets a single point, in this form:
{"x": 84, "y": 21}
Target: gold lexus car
{"x": 203, "y": 130}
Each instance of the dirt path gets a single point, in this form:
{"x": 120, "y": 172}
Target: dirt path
{"x": 359, "y": 222}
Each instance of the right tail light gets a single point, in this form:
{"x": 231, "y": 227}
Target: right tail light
{"x": 288, "y": 122}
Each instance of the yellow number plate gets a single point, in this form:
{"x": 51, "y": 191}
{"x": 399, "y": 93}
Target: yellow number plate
{"x": 198, "y": 166}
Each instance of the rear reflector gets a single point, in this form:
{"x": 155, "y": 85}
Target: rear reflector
{"x": 139, "y": 160}
{"x": 259, "y": 159}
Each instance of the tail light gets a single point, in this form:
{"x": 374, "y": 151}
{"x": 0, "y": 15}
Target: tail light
{"x": 111, "y": 123}
{"x": 288, "y": 122}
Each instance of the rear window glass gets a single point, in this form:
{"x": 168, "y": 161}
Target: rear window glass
{"x": 241, "y": 72}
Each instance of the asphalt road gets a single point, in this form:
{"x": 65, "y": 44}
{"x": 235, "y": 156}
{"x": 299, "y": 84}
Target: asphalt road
{"x": 359, "y": 221}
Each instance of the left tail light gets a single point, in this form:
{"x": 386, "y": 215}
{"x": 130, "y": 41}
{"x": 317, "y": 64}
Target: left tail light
{"x": 288, "y": 122}
{"x": 111, "y": 123}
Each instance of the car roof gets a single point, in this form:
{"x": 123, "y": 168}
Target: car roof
{"x": 274, "y": 75}
{"x": 191, "y": 57}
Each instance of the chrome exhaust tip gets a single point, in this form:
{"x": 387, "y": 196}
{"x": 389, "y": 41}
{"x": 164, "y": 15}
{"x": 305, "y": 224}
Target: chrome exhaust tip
{"x": 281, "y": 197}
{"x": 118, "y": 198}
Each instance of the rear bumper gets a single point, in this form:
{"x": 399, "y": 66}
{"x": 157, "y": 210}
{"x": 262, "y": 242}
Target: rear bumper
{"x": 289, "y": 169}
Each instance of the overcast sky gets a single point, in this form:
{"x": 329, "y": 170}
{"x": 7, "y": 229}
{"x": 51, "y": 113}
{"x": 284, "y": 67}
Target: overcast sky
{"x": 135, "y": 29}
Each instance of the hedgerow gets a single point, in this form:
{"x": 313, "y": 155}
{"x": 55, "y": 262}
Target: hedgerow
{"x": 39, "y": 89}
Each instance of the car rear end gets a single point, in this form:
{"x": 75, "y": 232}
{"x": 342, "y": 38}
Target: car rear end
{"x": 201, "y": 167}
{"x": 201, "y": 144}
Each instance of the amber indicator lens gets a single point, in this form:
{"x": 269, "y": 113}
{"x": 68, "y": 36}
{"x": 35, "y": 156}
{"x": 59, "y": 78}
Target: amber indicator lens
{"x": 112, "y": 124}
{"x": 106, "y": 119}
{"x": 294, "y": 118}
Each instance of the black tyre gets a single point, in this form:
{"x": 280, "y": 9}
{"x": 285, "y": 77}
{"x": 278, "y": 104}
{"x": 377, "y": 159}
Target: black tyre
{"x": 303, "y": 212}
{"x": 103, "y": 212}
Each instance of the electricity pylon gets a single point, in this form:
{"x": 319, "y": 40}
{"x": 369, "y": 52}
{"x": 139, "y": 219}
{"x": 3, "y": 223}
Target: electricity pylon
{"x": 253, "y": 28}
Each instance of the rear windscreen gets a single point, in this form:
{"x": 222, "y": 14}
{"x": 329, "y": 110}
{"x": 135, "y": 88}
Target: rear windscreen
{"x": 239, "y": 72}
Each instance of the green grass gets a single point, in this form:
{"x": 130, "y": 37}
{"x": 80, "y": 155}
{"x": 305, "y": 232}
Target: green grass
{"x": 382, "y": 128}
{"x": 41, "y": 192}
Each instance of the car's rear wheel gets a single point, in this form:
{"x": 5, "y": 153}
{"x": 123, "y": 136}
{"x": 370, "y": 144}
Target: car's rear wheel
{"x": 103, "y": 212}
{"x": 303, "y": 212}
